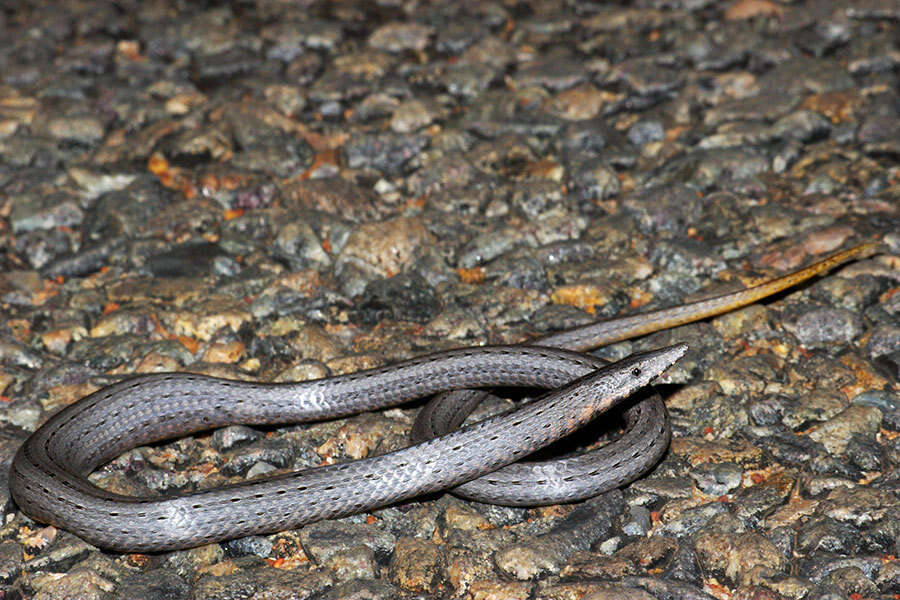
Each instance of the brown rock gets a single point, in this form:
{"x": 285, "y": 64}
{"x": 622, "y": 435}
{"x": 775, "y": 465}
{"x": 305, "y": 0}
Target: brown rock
{"x": 417, "y": 565}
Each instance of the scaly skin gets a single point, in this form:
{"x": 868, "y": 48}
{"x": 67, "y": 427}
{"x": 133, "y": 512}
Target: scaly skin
{"x": 603, "y": 333}
{"x": 48, "y": 478}
{"x": 647, "y": 432}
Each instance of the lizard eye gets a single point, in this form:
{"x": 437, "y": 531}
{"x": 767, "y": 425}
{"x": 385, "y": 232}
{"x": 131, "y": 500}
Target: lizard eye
{"x": 636, "y": 372}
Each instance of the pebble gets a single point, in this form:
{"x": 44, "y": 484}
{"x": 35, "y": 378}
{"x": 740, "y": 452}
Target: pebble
{"x": 690, "y": 519}
{"x": 46, "y": 212}
{"x": 717, "y": 479}
{"x": 363, "y": 589}
{"x": 156, "y": 583}
{"x": 660, "y": 208}
{"x": 386, "y": 153}
{"x": 396, "y": 37}
{"x": 330, "y": 195}
{"x": 416, "y": 565}
{"x": 822, "y": 326}
{"x": 836, "y": 432}
{"x": 11, "y": 562}
{"x": 548, "y": 552}
{"x": 735, "y": 558}
{"x": 401, "y": 298}
{"x": 385, "y": 247}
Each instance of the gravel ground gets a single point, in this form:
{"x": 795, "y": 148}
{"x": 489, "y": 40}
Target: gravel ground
{"x": 286, "y": 190}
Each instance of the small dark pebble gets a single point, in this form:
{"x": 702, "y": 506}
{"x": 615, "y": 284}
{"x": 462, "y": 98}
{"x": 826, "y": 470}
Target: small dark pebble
{"x": 783, "y": 538}
{"x": 386, "y": 153}
{"x": 884, "y": 340}
{"x": 11, "y": 561}
{"x": 401, "y": 298}
{"x": 683, "y": 565}
{"x": 865, "y": 452}
{"x": 154, "y": 584}
{"x": 825, "y": 535}
{"x": 519, "y": 270}
{"x": 184, "y": 261}
{"x": 361, "y": 589}
{"x": 279, "y": 453}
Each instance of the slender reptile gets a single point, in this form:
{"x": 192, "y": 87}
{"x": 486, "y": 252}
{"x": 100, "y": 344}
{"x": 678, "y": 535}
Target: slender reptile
{"x": 48, "y": 478}
{"x": 647, "y": 432}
